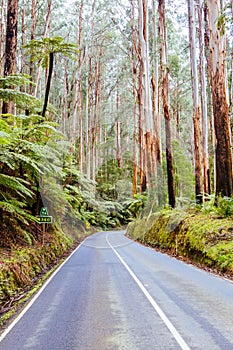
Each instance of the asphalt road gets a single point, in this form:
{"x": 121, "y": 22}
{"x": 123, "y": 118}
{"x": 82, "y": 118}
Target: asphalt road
{"x": 114, "y": 294}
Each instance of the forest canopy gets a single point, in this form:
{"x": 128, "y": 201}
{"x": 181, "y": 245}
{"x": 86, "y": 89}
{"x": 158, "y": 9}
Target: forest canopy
{"x": 111, "y": 107}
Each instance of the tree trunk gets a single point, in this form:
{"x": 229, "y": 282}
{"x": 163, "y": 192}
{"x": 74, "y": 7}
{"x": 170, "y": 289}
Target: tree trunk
{"x": 64, "y": 102}
{"x": 45, "y": 35}
{"x": 141, "y": 102}
{"x": 134, "y": 74}
{"x": 146, "y": 102}
{"x": 81, "y": 59}
{"x": 206, "y": 177}
{"x": 118, "y": 130}
{"x": 155, "y": 90}
{"x": 33, "y": 28}
{"x": 196, "y": 104}
{"x": 2, "y": 38}
{"x": 166, "y": 108}
{"x": 216, "y": 67}
{"x": 10, "y": 47}
{"x": 2, "y": 33}
{"x": 231, "y": 70}
{"x": 22, "y": 61}
{"x": 48, "y": 84}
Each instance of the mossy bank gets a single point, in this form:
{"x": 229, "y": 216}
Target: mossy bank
{"x": 201, "y": 238}
{"x": 22, "y": 267}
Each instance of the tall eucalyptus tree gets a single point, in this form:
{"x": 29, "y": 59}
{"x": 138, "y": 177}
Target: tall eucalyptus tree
{"x": 216, "y": 68}
{"x": 196, "y": 101}
{"x": 165, "y": 98}
{"x": 203, "y": 98}
{"x": 10, "y": 47}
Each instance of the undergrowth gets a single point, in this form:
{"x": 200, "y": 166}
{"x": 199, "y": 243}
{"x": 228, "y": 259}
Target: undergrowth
{"x": 203, "y": 235}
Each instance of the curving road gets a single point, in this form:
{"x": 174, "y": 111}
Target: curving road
{"x": 114, "y": 294}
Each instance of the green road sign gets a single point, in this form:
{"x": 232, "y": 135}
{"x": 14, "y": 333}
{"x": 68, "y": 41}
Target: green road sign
{"x": 44, "y": 212}
{"x": 44, "y": 218}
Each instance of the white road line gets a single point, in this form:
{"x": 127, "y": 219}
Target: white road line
{"x": 164, "y": 318}
{"x": 16, "y": 320}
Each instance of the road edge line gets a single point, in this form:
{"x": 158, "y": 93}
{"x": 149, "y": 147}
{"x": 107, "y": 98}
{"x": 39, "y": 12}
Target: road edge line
{"x": 183, "y": 345}
{"x": 36, "y": 296}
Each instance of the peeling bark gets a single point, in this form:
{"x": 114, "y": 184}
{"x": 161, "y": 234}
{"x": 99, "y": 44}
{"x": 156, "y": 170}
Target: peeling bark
{"x": 166, "y": 110}
{"x": 196, "y": 104}
{"x": 216, "y": 67}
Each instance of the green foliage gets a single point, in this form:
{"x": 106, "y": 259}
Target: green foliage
{"x": 135, "y": 205}
{"x": 225, "y": 206}
{"x": 15, "y": 80}
{"x": 217, "y": 206}
{"x": 199, "y": 237}
{"x": 25, "y": 155}
{"x": 81, "y": 196}
{"x": 10, "y": 91}
{"x": 112, "y": 180}
{"x": 224, "y": 18}
{"x": 20, "y": 268}
{"x": 39, "y": 50}
{"x": 184, "y": 175}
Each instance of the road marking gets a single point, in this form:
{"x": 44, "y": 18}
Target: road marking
{"x": 16, "y": 320}
{"x": 162, "y": 315}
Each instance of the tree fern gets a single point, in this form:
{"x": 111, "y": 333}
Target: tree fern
{"x": 14, "y": 184}
{"x": 16, "y": 209}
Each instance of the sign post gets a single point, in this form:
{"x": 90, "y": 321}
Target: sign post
{"x": 44, "y": 218}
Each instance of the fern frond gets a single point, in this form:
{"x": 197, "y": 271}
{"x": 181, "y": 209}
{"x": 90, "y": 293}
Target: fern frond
{"x": 22, "y": 99}
{"x": 15, "y": 209}
{"x": 4, "y": 137}
{"x": 16, "y": 184}
{"x": 15, "y": 80}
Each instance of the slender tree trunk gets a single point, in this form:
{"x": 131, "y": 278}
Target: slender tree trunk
{"x": 231, "y": 70}
{"x": 81, "y": 60}
{"x": 196, "y": 103}
{"x": 97, "y": 103}
{"x": 141, "y": 134}
{"x": 22, "y": 61}
{"x": 166, "y": 108}
{"x": 209, "y": 98}
{"x": 216, "y": 67}
{"x": 48, "y": 84}
{"x": 45, "y": 35}
{"x": 141, "y": 102}
{"x": 118, "y": 130}
{"x": 10, "y": 47}
{"x": 47, "y": 21}
{"x": 88, "y": 117}
{"x": 64, "y": 102}
{"x": 2, "y": 39}
{"x": 146, "y": 110}
{"x": 206, "y": 170}
{"x": 89, "y": 89}
{"x": 155, "y": 89}
{"x": 135, "y": 90}
{"x": 2, "y": 34}
{"x": 33, "y": 29}
{"x": 176, "y": 110}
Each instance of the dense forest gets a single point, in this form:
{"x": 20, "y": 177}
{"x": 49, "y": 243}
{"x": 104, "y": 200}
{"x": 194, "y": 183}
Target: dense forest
{"x": 110, "y": 107}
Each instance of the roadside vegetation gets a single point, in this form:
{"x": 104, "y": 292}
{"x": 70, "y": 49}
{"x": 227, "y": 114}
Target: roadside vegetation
{"x": 37, "y": 169}
{"x": 105, "y": 121}
{"x": 201, "y": 234}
